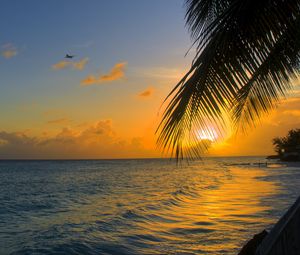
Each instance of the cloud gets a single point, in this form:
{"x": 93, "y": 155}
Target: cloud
{"x": 146, "y": 93}
{"x": 16, "y": 138}
{"x": 94, "y": 140}
{"x": 59, "y": 121}
{"x": 79, "y": 65}
{"x": 89, "y": 80}
{"x": 61, "y": 65}
{"x": 9, "y": 50}
{"x": 116, "y": 73}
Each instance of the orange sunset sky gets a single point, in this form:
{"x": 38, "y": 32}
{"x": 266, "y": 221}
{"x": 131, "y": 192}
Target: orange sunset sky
{"x": 106, "y": 102}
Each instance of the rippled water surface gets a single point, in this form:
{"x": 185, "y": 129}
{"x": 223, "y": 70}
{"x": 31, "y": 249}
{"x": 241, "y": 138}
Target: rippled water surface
{"x": 139, "y": 206}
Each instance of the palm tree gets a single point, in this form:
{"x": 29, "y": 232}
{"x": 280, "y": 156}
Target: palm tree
{"x": 247, "y": 54}
{"x": 288, "y": 147}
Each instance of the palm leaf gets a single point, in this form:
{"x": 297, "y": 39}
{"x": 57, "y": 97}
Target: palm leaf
{"x": 247, "y": 54}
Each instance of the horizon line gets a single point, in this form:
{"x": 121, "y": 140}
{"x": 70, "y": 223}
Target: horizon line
{"x": 142, "y": 158}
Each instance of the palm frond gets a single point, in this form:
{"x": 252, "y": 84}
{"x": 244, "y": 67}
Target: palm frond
{"x": 247, "y": 53}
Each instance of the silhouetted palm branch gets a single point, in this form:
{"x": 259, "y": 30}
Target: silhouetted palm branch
{"x": 247, "y": 55}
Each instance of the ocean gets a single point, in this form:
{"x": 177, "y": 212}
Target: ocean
{"x": 140, "y": 206}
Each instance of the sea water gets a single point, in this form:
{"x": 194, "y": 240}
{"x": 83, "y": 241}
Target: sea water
{"x": 142, "y": 206}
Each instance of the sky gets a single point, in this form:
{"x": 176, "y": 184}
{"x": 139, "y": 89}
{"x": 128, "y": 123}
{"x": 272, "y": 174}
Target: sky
{"x": 106, "y": 101}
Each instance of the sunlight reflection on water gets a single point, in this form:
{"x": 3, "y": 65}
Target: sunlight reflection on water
{"x": 139, "y": 206}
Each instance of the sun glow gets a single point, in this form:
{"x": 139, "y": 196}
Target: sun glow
{"x": 210, "y": 135}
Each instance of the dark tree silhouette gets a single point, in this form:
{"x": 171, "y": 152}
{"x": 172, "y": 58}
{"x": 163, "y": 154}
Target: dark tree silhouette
{"x": 247, "y": 53}
{"x": 288, "y": 147}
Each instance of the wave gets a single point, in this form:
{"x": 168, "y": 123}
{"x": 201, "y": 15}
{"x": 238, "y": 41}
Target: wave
{"x": 138, "y": 207}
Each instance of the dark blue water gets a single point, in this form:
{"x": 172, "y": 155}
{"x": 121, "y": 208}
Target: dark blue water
{"x": 139, "y": 206}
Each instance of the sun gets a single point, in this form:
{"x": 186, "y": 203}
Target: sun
{"x": 207, "y": 134}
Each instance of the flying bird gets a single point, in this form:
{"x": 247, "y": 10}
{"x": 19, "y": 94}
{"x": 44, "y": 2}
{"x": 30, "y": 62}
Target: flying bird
{"x": 69, "y": 56}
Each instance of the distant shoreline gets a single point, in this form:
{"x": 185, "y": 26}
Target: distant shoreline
{"x": 290, "y": 163}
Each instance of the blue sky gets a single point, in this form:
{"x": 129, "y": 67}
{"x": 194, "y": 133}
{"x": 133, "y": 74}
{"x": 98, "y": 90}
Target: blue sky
{"x": 132, "y": 54}
{"x": 107, "y": 31}
{"x": 149, "y": 36}
{"x": 144, "y": 34}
